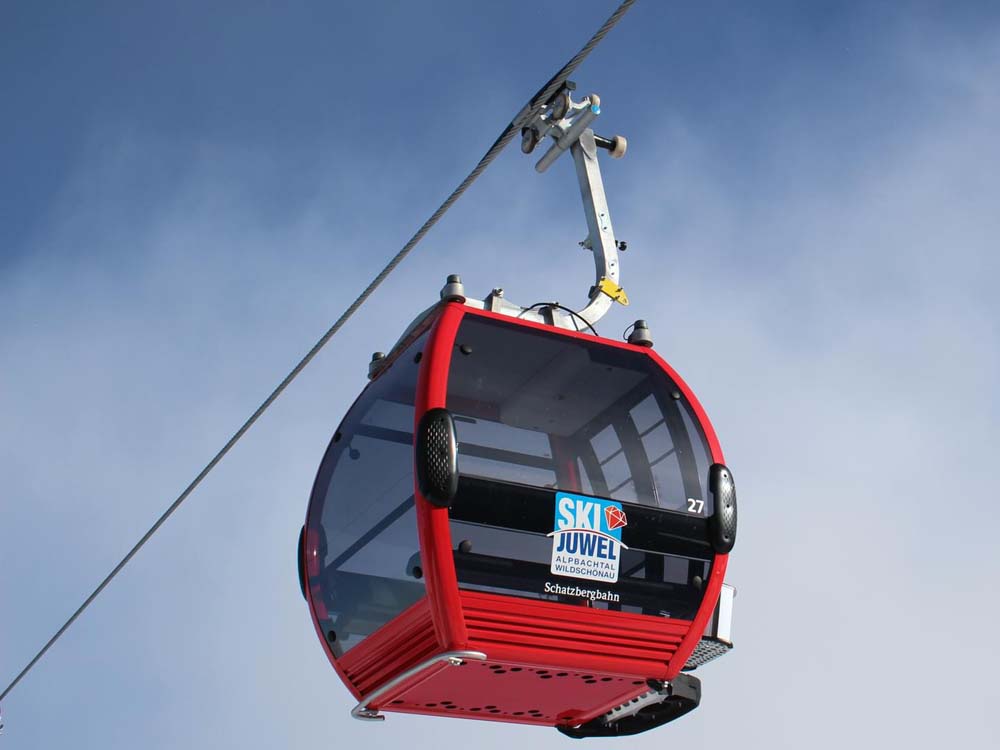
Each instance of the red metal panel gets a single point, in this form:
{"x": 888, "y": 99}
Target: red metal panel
{"x": 513, "y": 692}
{"x": 432, "y": 522}
{"x": 400, "y": 644}
{"x": 549, "y": 663}
{"x": 576, "y": 637}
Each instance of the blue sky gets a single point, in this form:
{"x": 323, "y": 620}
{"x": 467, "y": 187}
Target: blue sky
{"x": 190, "y": 196}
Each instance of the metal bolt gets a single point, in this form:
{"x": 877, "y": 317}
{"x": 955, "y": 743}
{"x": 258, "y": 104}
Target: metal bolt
{"x": 453, "y": 290}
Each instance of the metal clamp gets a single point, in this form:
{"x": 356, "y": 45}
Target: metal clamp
{"x": 452, "y": 658}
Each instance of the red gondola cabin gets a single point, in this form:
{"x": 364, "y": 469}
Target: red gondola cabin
{"x": 521, "y": 523}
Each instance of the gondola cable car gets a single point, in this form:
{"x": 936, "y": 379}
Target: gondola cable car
{"x": 518, "y": 520}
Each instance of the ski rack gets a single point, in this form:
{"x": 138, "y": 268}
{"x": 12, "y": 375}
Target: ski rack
{"x": 567, "y": 123}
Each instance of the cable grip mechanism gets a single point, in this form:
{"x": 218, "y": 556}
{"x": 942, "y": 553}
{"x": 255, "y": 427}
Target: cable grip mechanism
{"x": 568, "y": 124}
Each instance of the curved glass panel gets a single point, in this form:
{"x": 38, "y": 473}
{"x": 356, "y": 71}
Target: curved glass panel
{"x": 362, "y": 511}
{"x": 576, "y": 418}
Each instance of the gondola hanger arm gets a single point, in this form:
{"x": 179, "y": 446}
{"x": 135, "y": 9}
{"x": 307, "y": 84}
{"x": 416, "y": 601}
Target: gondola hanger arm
{"x": 567, "y": 124}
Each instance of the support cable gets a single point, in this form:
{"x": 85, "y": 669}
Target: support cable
{"x": 533, "y": 106}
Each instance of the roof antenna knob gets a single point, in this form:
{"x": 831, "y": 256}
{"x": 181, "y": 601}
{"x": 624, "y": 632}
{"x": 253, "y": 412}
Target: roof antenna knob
{"x": 640, "y": 335}
{"x": 453, "y": 290}
{"x": 378, "y": 361}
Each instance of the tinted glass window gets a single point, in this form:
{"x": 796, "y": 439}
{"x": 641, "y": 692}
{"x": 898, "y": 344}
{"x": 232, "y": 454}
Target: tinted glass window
{"x": 559, "y": 413}
{"x": 531, "y": 407}
{"x": 363, "y": 507}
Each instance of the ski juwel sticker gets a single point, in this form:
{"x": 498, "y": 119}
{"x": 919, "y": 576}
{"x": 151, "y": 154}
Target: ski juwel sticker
{"x": 587, "y": 537}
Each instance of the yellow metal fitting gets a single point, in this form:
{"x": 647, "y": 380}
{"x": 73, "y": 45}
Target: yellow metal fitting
{"x": 610, "y": 288}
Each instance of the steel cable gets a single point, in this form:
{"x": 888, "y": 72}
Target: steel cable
{"x": 533, "y": 106}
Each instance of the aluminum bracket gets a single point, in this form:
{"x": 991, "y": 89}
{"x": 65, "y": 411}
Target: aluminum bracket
{"x": 451, "y": 658}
